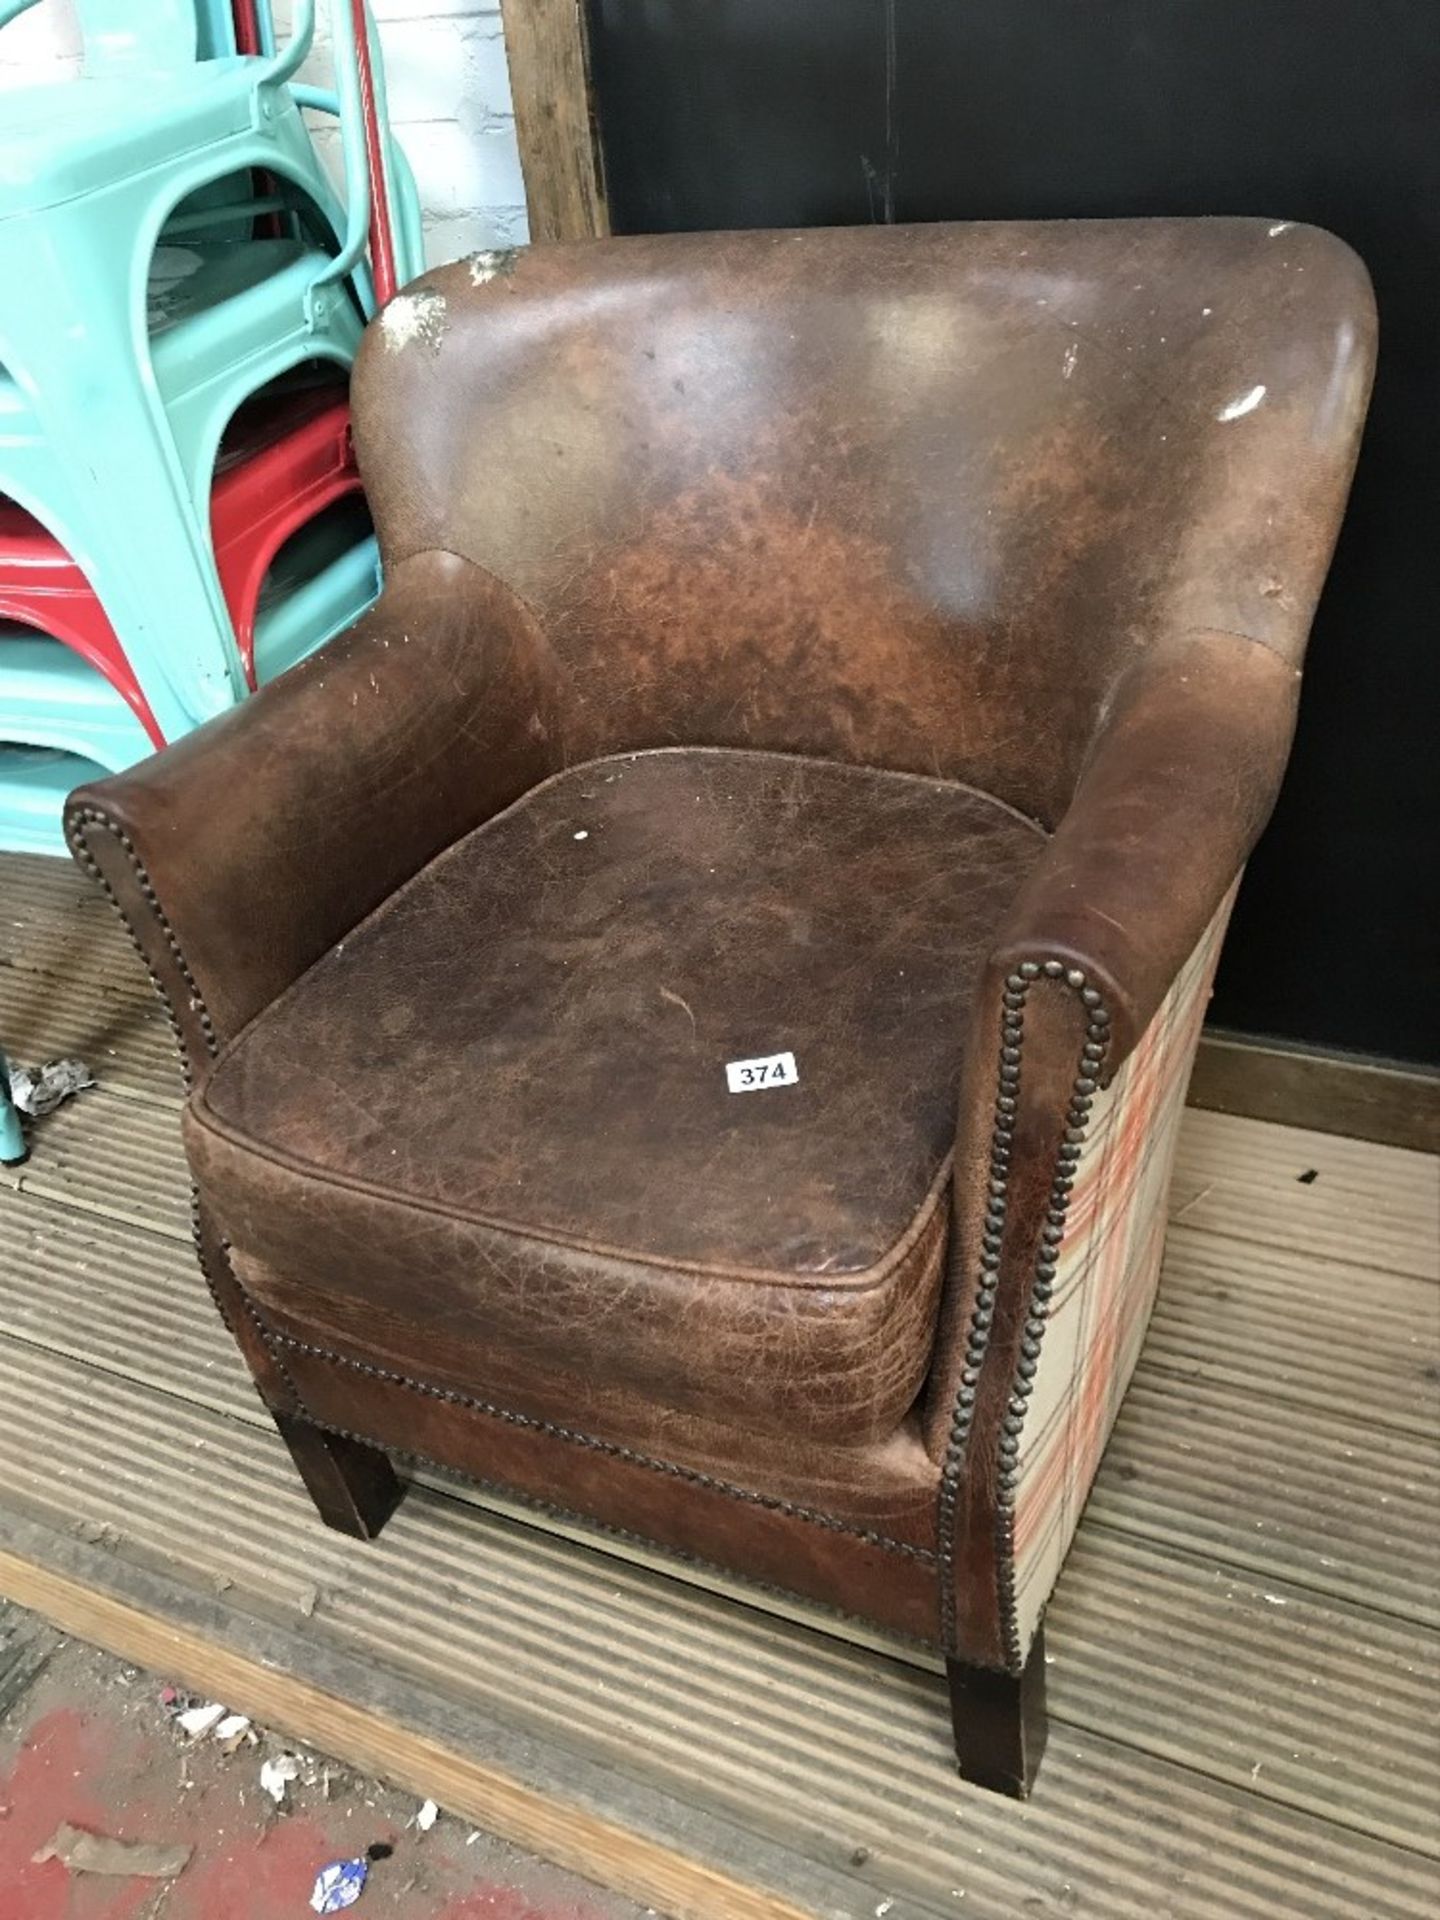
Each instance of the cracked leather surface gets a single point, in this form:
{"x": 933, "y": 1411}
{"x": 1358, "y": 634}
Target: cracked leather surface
{"x": 498, "y": 1110}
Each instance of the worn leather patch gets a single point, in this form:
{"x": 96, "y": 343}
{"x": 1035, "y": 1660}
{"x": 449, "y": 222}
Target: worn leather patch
{"x": 499, "y": 1109}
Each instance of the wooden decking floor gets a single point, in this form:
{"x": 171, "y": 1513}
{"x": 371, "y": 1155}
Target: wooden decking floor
{"x": 1246, "y": 1665}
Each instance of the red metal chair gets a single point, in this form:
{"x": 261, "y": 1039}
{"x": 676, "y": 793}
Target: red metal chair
{"x": 294, "y": 458}
{"x": 287, "y": 457}
{"x": 42, "y": 586}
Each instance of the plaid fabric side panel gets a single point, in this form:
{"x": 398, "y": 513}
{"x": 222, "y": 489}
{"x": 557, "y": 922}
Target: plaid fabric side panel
{"x": 1108, "y": 1267}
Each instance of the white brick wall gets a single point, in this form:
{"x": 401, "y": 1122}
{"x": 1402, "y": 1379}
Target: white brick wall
{"x": 449, "y": 105}
{"x": 43, "y": 44}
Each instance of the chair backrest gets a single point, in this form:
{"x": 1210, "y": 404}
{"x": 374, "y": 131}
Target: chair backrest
{"x": 154, "y": 33}
{"x": 914, "y": 497}
{"x": 151, "y": 32}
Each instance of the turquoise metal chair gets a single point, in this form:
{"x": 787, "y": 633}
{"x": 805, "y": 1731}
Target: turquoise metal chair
{"x": 190, "y": 346}
{"x": 50, "y": 697}
{"x": 153, "y": 365}
{"x": 149, "y": 33}
{"x": 103, "y": 352}
{"x": 97, "y": 360}
{"x": 156, "y": 386}
{"x": 64, "y": 723}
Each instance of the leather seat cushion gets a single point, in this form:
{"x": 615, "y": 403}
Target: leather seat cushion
{"x": 493, "y": 1125}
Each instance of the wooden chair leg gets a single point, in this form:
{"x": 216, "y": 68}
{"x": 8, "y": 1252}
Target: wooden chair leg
{"x": 353, "y": 1485}
{"x": 1000, "y": 1723}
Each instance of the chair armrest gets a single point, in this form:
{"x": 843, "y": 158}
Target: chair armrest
{"x": 1073, "y": 1084}
{"x": 1177, "y": 788}
{"x": 241, "y": 853}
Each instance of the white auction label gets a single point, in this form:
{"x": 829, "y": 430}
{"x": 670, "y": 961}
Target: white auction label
{"x": 775, "y": 1070}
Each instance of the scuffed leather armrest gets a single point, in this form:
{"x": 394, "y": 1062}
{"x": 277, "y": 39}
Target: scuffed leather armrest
{"x": 241, "y": 853}
{"x": 1178, "y": 786}
{"x": 1134, "y": 884}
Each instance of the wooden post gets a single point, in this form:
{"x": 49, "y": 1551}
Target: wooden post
{"x": 548, "y": 49}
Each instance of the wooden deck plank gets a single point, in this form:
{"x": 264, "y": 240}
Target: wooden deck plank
{"x": 816, "y": 1745}
{"x": 121, "y": 1033}
{"x": 113, "y": 1157}
{"x": 1280, "y": 1325}
{"x": 1255, "y": 1682}
{"x": 1368, "y": 1205}
{"x": 1303, "y": 1497}
{"x": 59, "y": 925}
{"x": 1213, "y": 1669}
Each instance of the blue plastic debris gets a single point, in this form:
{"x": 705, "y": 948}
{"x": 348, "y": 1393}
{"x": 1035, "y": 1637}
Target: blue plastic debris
{"x": 339, "y": 1885}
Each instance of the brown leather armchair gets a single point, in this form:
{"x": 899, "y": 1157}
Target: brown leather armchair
{"x": 877, "y": 647}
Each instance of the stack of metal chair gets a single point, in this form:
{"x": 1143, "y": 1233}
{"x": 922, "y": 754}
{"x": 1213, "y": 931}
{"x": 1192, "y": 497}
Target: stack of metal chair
{"x": 181, "y": 295}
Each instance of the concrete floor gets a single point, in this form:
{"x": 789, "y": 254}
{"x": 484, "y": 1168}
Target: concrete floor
{"x": 86, "y": 1740}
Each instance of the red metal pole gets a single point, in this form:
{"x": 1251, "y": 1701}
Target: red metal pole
{"x": 247, "y": 26}
{"x": 382, "y": 240}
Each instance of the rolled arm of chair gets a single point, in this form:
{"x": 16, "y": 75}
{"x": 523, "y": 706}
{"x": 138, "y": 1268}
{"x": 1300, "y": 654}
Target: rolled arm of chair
{"x": 241, "y": 853}
{"x": 1074, "y": 1082}
{"x": 1180, "y": 782}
